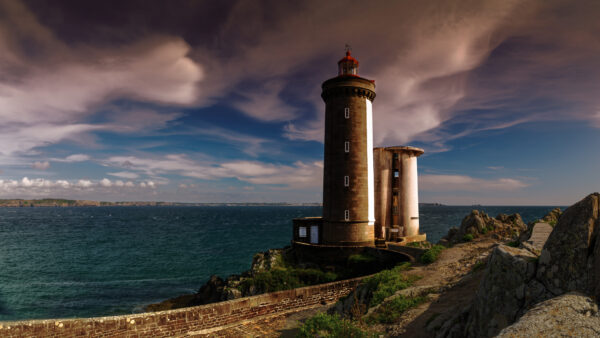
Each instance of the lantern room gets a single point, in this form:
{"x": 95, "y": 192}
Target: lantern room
{"x": 348, "y": 65}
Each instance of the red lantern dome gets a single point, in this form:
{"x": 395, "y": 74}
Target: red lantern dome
{"x": 348, "y": 65}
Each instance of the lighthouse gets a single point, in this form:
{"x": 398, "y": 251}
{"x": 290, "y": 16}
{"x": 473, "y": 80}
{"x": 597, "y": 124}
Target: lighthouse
{"x": 348, "y": 179}
{"x": 370, "y": 195}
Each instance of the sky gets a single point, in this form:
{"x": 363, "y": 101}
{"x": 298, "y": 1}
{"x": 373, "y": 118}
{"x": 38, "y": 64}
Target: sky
{"x": 219, "y": 101}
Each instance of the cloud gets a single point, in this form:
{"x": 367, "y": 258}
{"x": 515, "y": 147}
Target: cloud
{"x": 467, "y": 183}
{"x": 299, "y": 174}
{"x": 41, "y": 165}
{"x": 124, "y": 174}
{"x": 47, "y": 96}
{"x": 45, "y": 187}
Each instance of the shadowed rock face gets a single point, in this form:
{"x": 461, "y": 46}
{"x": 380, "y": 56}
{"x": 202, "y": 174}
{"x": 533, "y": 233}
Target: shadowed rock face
{"x": 502, "y": 291}
{"x": 570, "y": 259}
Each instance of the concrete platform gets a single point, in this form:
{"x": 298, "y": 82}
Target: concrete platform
{"x": 539, "y": 235}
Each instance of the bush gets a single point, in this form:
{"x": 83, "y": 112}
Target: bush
{"x": 324, "y": 325}
{"x": 467, "y": 238}
{"x": 280, "y": 278}
{"x": 432, "y": 254}
{"x": 513, "y": 244}
{"x": 363, "y": 264}
{"x": 388, "y": 312}
{"x": 387, "y": 282}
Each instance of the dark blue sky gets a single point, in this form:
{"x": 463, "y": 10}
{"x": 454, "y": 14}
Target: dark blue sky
{"x": 219, "y": 101}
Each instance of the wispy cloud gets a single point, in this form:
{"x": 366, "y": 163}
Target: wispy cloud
{"x": 467, "y": 183}
{"x": 41, "y": 165}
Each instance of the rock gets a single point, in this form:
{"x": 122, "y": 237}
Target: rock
{"x": 478, "y": 223}
{"x": 569, "y": 315}
{"x": 211, "y": 291}
{"x": 553, "y": 216}
{"x": 265, "y": 261}
{"x": 502, "y": 291}
{"x": 570, "y": 259}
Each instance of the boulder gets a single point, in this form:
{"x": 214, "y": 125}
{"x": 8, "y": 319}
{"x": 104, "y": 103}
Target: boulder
{"x": 569, "y": 315}
{"x": 502, "y": 291}
{"x": 570, "y": 259}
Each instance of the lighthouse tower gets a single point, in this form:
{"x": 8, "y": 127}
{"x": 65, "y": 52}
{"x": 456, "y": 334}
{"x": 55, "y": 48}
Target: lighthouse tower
{"x": 348, "y": 179}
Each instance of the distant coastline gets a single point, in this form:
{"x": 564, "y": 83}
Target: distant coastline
{"x": 58, "y": 202}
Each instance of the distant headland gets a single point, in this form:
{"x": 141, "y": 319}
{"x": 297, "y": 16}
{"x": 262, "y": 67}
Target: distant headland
{"x": 59, "y": 202}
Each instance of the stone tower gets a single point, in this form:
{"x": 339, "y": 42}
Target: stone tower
{"x": 348, "y": 179}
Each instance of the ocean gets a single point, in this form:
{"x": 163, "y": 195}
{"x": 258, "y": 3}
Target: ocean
{"x": 99, "y": 261}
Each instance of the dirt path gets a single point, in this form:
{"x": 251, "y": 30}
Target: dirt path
{"x": 451, "y": 275}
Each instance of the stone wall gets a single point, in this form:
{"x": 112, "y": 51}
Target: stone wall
{"x": 193, "y": 320}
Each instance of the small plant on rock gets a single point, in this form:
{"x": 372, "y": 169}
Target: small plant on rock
{"x": 324, "y": 325}
{"x": 467, "y": 237}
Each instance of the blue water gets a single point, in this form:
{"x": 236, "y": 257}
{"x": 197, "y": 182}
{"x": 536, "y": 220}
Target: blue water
{"x": 80, "y": 262}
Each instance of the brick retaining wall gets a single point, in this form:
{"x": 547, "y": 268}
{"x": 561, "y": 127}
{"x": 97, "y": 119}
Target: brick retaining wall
{"x": 181, "y": 321}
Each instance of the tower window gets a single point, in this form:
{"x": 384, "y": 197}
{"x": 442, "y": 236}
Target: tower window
{"x": 346, "y": 181}
{"x": 347, "y": 146}
{"x": 347, "y": 113}
{"x": 347, "y": 215}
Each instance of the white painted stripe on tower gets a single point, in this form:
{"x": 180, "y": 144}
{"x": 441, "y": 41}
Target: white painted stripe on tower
{"x": 370, "y": 175}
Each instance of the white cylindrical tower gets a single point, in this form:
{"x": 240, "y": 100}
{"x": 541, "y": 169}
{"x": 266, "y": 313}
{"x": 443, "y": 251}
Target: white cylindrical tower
{"x": 409, "y": 194}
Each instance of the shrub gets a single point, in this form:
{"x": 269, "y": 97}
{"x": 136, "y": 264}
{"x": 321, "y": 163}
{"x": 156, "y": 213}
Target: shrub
{"x": 467, "y": 237}
{"x": 388, "y": 312}
{"x": 280, "y": 278}
{"x": 387, "y": 282}
{"x": 432, "y": 254}
{"x": 513, "y": 244}
{"x": 324, "y": 325}
{"x": 363, "y": 264}
{"x": 552, "y": 223}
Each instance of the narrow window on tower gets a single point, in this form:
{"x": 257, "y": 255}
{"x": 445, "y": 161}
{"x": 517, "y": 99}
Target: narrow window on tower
{"x": 346, "y": 181}
{"x": 347, "y": 146}
{"x": 347, "y": 215}
{"x": 347, "y": 113}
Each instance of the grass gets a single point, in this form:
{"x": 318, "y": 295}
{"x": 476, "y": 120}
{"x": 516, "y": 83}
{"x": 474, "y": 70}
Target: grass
{"x": 467, "y": 238}
{"x": 385, "y": 283}
{"x": 325, "y": 325}
{"x": 389, "y": 312}
{"x": 281, "y": 278}
{"x": 432, "y": 254}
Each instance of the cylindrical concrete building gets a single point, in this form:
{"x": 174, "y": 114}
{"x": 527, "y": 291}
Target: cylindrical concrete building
{"x": 408, "y": 190}
{"x": 348, "y": 180}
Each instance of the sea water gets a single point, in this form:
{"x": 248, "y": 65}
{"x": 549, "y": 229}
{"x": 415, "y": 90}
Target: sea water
{"x": 97, "y": 261}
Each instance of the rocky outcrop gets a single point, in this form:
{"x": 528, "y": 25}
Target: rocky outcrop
{"x": 570, "y": 259}
{"x": 478, "y": 223}
{"x": 569, "y": 315}
{"x": 516, "y": 280}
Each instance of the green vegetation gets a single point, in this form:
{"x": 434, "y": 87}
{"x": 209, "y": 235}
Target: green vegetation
{"x": 388, "y": 312}
{"x": 324, "y": 325}
{"x": 362, "y": 264}
{"x": 385, "y": 283}
{"x": 432, "y": 254}
{"x": 285, "y": 278}
{"x": 513, "y": 244}
{"x": 467, "y": 238}
{"x": 552, "y": 223}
